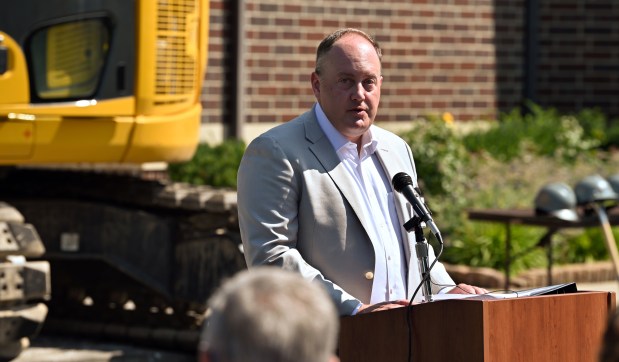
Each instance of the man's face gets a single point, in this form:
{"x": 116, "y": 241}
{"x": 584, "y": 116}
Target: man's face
{"x": 348, "y": 87}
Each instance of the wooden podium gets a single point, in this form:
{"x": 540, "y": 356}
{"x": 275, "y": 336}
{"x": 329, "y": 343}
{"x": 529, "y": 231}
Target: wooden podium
{"x": 566, "y": 327}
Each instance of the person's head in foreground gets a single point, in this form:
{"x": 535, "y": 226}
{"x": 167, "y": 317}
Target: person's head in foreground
{"x": 267, "y": 314}
{"x": 610, "y": 343}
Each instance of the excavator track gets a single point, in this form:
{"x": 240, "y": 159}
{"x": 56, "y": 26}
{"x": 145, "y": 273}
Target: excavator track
{"x": 24, "y": 284}
{"x": 133, "y": 258}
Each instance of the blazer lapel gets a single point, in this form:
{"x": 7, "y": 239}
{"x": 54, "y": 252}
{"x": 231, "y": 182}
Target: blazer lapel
{"x": 392, "y": 164}
{"x": 326, "y": 155}
{"x": 391, "y": 161}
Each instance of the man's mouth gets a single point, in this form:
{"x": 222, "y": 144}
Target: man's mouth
{"x": 358, "y": 110}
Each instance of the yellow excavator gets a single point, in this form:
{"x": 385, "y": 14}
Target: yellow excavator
{"x": 91, "y": 93}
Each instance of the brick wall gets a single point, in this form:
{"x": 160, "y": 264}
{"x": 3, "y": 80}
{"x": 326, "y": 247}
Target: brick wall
{"x": 459, "y": 56}
{"x": 509, "y": 24}
{"x": 579, "y": 54}
{"x": 215, "y": 90}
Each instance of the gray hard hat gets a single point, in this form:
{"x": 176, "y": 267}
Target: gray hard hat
{"x": 556, "y": 199}
{"x": 614, "y": 182}
{"x": 594, "y": 188}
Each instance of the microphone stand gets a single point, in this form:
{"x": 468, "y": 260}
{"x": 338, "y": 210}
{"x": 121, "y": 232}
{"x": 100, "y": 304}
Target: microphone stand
{"x": 421, "y": 247}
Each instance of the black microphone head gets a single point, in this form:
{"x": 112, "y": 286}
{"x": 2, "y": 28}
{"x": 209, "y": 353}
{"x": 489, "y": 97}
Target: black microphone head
{"x": 401, "y": 180}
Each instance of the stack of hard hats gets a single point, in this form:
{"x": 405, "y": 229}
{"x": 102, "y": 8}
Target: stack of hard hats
{"x": 561, "y": 201}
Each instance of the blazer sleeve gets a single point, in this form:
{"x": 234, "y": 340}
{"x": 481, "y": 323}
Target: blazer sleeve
{"x": 268, "y": 188}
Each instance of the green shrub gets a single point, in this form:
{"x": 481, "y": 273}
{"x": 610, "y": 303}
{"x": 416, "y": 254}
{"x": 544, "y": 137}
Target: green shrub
{"x": 211, "y": 165}
{"x": 543, "y": 132}
{"x": 610, "y": 134}
{"x": 482, "y": 244}
{"x": 594, "y": 124}
{"x": 442, "y": 164}
{"x": 503, "y": 140}
{"x": 585, "y": 246}
{"x": 503, "y": 166}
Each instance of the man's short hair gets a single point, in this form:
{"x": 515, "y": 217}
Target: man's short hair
{"x": 327, "y": 43}
{"x": 269, "y": 314}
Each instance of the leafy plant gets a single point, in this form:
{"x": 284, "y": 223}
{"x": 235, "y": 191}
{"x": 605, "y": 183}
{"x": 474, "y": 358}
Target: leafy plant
{"x": 502, "y": 140}
{"x": 543, "y": 132}
{"x": 483, "y": 244}
{"x": 585, "y": 246}
{"x": 441, "y": 162}
{"x": 211, "y": 165}
{"x": 506, "y": 163}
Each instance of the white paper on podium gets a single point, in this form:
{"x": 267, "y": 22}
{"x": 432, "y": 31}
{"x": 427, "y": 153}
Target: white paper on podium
{"x": 506, "y": 295}
{"x": 437, "y": 297}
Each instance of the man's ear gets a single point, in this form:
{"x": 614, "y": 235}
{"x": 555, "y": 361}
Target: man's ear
{"x": 315, "y": 80}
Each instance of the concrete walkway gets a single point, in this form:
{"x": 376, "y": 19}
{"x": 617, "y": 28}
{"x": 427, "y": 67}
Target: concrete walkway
{"x": 68, "y": 349}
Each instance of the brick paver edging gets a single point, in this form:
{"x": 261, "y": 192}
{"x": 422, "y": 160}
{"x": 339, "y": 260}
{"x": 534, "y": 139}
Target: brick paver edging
{"x": 492, "y": 278}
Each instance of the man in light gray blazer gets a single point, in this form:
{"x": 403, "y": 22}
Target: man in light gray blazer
{"x": 315, "y": 197}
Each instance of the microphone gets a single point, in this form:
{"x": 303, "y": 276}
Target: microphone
{"x": 403, "y": 184}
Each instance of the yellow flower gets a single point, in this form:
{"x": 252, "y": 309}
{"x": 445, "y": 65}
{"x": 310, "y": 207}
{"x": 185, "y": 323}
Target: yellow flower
{"x": 448, "y": 118}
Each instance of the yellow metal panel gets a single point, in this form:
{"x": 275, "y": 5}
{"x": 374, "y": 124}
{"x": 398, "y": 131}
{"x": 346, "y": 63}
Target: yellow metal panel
{"x": 145, "y": 82}
{"x": 170, "y": 51}
{"x": 203, "y": 41}
{"x": 14, "y": 86}
{"x": 84, "y": 108}
{"x": 165, "y": 138}
{"x": 15, "y": 138}
{"x": 91, "y": 140}
{"x": 82, "y": 140}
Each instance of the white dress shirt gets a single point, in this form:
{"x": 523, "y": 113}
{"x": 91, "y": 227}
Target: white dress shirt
{"x": 373, "y": 188}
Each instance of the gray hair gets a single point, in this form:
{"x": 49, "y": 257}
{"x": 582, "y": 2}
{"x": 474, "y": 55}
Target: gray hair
{"x": 268, "y": 314}
{"x": 327, "y": 43}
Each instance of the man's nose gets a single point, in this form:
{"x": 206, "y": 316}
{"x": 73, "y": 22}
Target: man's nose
{"x": 358, "y": 92}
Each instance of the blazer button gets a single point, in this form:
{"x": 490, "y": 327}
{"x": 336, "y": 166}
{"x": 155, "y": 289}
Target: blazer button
{"x": 369, "y": 275}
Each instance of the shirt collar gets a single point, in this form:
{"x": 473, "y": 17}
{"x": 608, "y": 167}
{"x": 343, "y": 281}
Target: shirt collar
{"x": 337, "y": 140}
